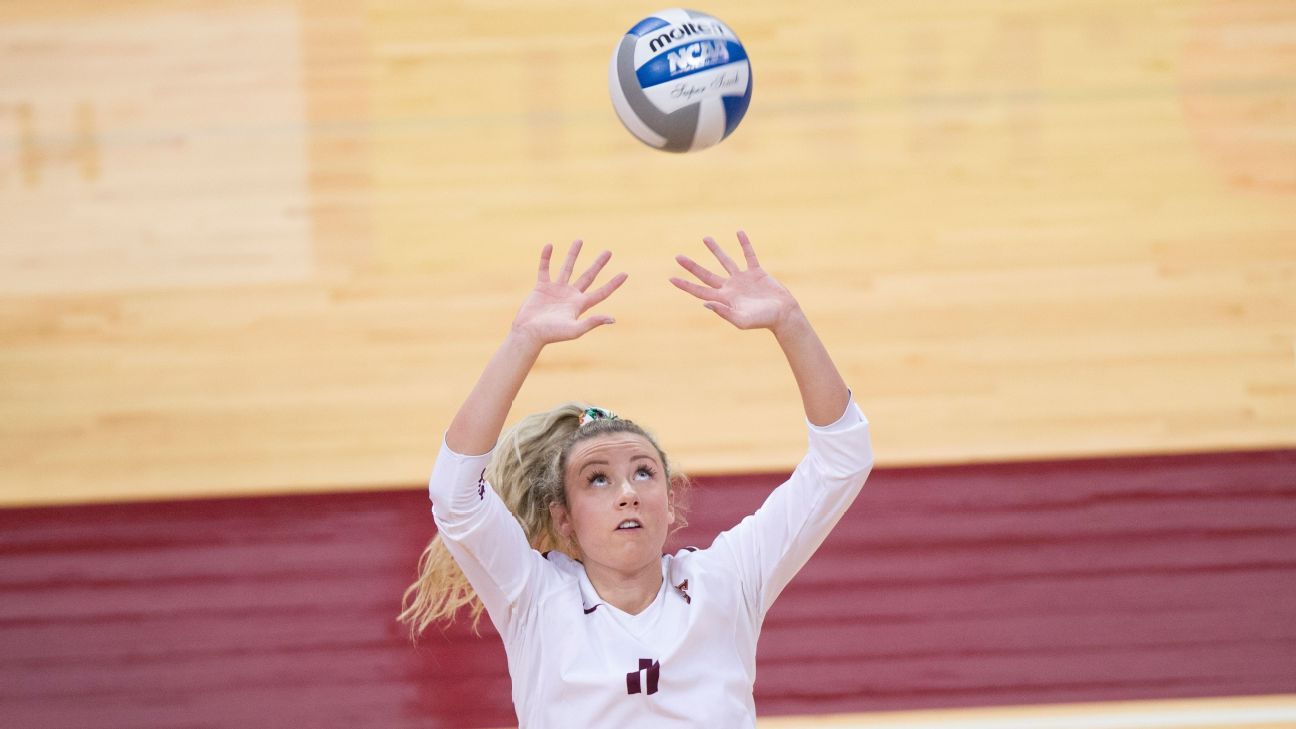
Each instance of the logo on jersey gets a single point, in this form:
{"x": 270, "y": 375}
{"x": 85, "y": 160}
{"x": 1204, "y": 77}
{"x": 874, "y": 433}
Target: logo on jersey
{"x": 682, "y": 589}
{"x": 481, "y": 486}
{"x": 648, "y": 668}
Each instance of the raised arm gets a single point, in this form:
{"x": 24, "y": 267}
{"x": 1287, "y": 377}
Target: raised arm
{"x": 551, "y": 313}
{"x": 475, "y": 528}
{"x": 770, "y": 546}
{"x": 753, "y": 299}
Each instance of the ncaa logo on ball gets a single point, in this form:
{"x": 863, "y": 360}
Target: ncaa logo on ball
{"x": 680, "y": 80}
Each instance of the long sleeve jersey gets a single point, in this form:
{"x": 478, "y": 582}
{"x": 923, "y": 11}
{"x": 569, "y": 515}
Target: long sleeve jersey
{"x": 689, "y": 658}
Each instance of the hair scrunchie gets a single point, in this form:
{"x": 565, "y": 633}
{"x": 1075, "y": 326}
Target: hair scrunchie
{"x": 592, "y": 414}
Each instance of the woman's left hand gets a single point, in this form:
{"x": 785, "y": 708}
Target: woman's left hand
{"x": 750, "y": 299}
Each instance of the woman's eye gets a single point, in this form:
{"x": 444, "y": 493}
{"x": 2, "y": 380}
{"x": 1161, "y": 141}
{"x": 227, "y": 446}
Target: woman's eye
{"x": 645, "y": 473}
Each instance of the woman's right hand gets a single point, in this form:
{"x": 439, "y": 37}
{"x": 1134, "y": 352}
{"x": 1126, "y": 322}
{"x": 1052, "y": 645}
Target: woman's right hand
{"x": 551, "y": 313}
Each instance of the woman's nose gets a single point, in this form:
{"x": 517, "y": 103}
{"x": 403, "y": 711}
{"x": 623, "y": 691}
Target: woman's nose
{"x": 628, "y": 497}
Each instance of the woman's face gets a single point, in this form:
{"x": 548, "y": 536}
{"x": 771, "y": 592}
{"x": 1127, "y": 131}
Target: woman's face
{"x": 619, "y": 508}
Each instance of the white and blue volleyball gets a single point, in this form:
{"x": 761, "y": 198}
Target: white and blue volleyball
{"x": 680, "y": 80}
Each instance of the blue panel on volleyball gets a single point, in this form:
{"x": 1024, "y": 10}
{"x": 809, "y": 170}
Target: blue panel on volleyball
{"x": 647, "y": 25}
{"x": 658, "y": 69}
{"x": 735, "y": 107}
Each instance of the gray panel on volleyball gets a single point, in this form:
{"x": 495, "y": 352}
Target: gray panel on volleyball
{"x": 677, "y": 127}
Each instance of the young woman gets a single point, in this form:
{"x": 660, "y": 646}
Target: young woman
{"x": 559, "y": 528}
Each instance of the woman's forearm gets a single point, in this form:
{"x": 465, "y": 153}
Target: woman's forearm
{"x": 480, "y": 419}
{"x": 823, "y": 391}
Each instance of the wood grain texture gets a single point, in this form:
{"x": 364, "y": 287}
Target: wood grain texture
{"x": 1247, "y": 712}
{"x": 1105, "y": 580}
{"x": 267, "y": 247}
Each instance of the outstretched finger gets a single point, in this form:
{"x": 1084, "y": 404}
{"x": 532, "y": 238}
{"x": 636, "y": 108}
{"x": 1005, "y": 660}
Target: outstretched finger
{"x": 705, "y": 276}
{"x": 543, "y": 275}
{"x": 570, "y": 263}
{"x": 605, "y": 290}
{"x": 748, "y": 251}
{"x": 592, "y": 273}
{"x": 702, "y": 292}
{"x": 721, "y": 256}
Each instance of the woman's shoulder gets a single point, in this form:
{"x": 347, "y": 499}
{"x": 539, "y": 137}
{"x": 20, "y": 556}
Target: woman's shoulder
{"x": 560, "y": 575}
{"x": 561, "y": 565}
{"x": 696, "y": 560}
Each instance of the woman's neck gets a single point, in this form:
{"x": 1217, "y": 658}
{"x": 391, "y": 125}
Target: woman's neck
{"x": 630, "y": 594}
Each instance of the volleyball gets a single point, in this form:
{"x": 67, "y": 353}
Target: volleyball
{"x": 680, "y": 80}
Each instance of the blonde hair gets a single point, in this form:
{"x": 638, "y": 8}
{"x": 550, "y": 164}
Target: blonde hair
{"x": 527, "y": 472}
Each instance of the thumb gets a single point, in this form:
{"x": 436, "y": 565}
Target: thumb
{"x": 725, "y": 312}
{"x": 591, "y": 323}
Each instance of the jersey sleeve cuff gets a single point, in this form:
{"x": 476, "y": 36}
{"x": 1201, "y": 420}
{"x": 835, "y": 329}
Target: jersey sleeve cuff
{"x": 458, "y": 481}
{"x": 851, "y": 417}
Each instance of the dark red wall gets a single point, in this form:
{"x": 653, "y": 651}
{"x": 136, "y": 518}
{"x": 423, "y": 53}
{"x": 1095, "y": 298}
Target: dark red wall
{"x": 955, "y": 586}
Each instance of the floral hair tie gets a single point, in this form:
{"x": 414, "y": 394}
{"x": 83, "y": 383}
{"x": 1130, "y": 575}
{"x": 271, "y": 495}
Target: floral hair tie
{"x": 592, "y": 414}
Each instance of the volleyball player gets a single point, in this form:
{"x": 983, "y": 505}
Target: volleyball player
{"x": 559, "y": 527}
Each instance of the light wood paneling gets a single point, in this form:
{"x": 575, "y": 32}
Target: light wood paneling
{"x": 256, "y": 247}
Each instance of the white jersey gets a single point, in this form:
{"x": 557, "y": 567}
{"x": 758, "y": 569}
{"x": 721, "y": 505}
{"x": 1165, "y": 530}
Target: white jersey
{"x": 687, "y": 660}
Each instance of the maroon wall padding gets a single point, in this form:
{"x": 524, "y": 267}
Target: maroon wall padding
{"x": 1129, "y": 578}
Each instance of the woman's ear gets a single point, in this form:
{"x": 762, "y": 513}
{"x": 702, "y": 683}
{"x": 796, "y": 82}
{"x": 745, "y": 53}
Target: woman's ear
{"x": 677, "y": 484}
{"x": 561, "y": 520}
